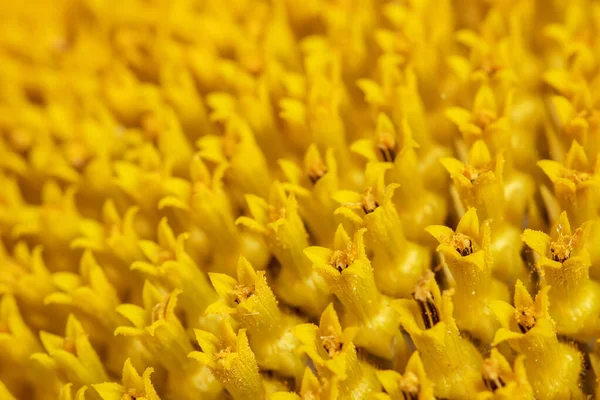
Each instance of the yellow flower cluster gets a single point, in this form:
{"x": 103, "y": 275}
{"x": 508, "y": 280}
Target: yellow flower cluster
{"x": 299, "y": 199}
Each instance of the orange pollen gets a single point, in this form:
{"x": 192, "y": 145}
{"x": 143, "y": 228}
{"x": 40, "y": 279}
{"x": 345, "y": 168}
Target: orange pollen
{"x": 242, "y": 293}
{"x": 525, "y": 317}
{"x": 342, "y": 259}
{"x": 576, "y": 176}
{"x": 561, "y": 249}
{"x": 471, "y": 173}
{"x": 462, "y": 244}
{"x": 223, "y": 353}
{"x": 331, "y": 344}
{"x": 275, "y": 214}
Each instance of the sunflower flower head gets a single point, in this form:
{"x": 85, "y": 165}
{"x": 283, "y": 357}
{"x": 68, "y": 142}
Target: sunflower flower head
{"x": 299, "y": 199}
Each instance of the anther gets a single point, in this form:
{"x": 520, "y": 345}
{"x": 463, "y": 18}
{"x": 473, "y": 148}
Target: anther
{"x": 242, "y": 293}
{"x": 331, "y": 344}
{"x": 316, "y": 171}
{"x": 491, "y": 375}
{"x": 386, "y": 146}
{"x": 429, "y": 311}
{"x": 387, "y": 153}
{"x": 410, "y": 386}
{"x": 525, "y": 321}
{"x": 463, "y": 244}
{"x": 369, "y": 204}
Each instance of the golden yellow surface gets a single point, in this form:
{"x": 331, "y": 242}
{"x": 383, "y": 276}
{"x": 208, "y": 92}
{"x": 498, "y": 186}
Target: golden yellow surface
{"x": 299, "y": 199}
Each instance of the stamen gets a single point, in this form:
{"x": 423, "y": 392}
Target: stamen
{"x": 331, "y": 344}
{"x": 410, "y": 396}
{"x": 525, "y": 320}
{"x": 316, "y": 171}
{"x": 433, "y": 312}
{"x": 160, "y": 310}
{"x": 429, "y": 312}
{"x": 471, "y": 173}
{"x": 340, "y": 259}
{"x": 369, "y": 204}
{"x": 424, "y": 314}
{"x": 242, "y": 293}
{"x": 386, "y": 146}
{"x": 388, "y": 154}
{"x": 132, "y": 394}
{"x": 462, "y": 244}
{"x": 223, "y": 353}
{"x": 561, "y": 249}
{"x": 491, "y": 375}
{"x": 276, "y": 213}
{"x": 410, "y": 386}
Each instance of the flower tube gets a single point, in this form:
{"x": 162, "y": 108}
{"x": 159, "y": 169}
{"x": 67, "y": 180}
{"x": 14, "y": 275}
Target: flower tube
{"x": 450, "y": 361}
{"x": 397, "y": 262}
{"x": 349, "y": 275}
{"x": 480, "y": 184}
{"x": 467, "y": 254}
{"x": 283, "y": 230}
{"x": 552, "y": 367}
{"x": 252, "y": 304}
{"x": 564, "y": 265}
{"x": 332, "y": 351}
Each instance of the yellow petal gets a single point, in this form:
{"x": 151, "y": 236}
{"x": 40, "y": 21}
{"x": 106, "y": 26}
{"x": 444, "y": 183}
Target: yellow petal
{"x": 551, "y": 168}
{"x": 458, "y": 116}
{"x": 441, "y": 232}
{"x": 504, "y": 312}
{"x": 365, "y": 148}
{"x": 110, "y": 390}
{"x": 347, "y": 197}
{"x": 452, "y": 165}
{"x": 318, "y": 255}
{"x": 373, "y": 92}
{"x": 469, "y": 224}
{"x": 504, "y": 334}
{"x": 222, "y": 283}
{"x": 537, "y": 240}
{"x": 485, "y": 100}
{"x": 479, "y": 155}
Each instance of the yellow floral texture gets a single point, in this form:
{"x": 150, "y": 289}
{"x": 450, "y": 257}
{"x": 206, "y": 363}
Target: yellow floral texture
{"x": 299, "y": 199}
